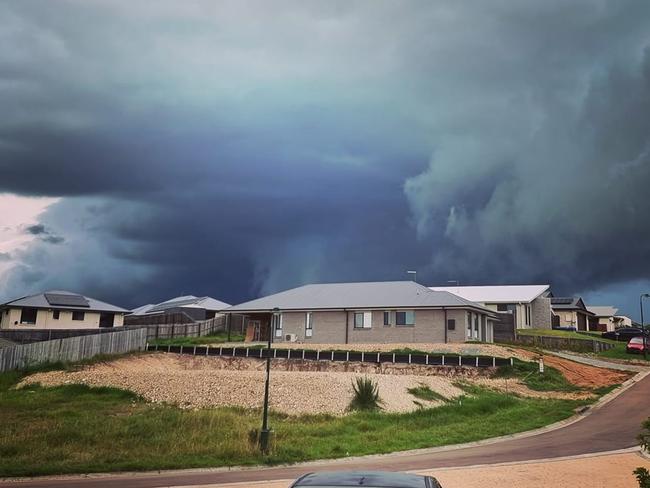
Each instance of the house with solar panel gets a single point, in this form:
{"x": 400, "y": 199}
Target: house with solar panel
{"x": 571, "y": 312}
{"x": 59, "y": 309}
{"x": 180, "y": 310}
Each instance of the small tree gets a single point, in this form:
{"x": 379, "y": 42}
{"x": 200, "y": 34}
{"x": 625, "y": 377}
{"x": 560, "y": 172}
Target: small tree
{"x": 642, "y": 474}
{"x": 366, "y": 395}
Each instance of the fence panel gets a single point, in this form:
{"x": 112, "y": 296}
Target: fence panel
{"x": 72, "y": 348}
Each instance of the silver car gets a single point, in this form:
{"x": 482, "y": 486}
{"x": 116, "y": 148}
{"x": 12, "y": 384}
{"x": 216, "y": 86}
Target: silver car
{"x": 368, "y": 479}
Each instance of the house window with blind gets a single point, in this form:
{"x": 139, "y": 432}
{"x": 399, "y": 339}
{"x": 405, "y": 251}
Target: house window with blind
{"x": 309, "y": 324}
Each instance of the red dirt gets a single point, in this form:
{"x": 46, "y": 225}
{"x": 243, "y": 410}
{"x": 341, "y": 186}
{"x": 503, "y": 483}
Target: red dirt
{"x": 583, "y": 375}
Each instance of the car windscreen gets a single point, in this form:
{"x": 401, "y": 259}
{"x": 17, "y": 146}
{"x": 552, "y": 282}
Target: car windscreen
{"x": 636, "y": 340}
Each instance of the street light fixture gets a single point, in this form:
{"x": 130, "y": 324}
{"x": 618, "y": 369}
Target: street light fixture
{"x": 266, "y": 432}
{"x": 415, "y": 275}
{"x": 643, "y": 295}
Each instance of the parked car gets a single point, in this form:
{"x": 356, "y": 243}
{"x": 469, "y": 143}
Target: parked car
{"x": 623, "y": 333}
{"x": 636, "y": 345}
{"x": 369, "y": 479}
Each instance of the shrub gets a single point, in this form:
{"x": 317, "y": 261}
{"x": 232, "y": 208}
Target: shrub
{"x": 366, "y": 395}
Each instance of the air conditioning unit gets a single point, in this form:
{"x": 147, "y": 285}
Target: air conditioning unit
{"x": 290, "y": 338}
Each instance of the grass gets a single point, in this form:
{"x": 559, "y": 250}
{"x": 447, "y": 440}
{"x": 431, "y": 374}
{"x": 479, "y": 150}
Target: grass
{"x": 423, "y": 392}
{"x": 584, "y": 335}
{"x": 528, "y": 372}
{"x": 619, "y": 352}
{"x": 78, "y": 429}
{"x": 217, "y": 338}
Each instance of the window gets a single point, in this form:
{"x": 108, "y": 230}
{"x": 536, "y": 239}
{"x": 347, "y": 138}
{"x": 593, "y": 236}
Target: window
{"x": 278, "y": 324}
{"x": 451, "y": 324}
{"x": 55, "y": 314}
{"x": 78, "y": 315}
{"x": 387, "y": 318}
{"x": 502, "y": 307}
{"x": 476, "y": 319}
{"x": 469, "y": 325}
{"x": 358, "y": 320}
{"x": 406, "y": 317}
{"x": 309, "y": 325}
{"x": 28, "y": 316}
{"x": 362, "y": 320}
{"x": 527, "y": 314}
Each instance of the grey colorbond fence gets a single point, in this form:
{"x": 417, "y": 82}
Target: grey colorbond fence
{"x": 347, "y": 356}
{"x": 563, "y": 343}
{"x": 169, "y": 331}
{"x": 72, "y": 348}
{"x": 27, "y": 336}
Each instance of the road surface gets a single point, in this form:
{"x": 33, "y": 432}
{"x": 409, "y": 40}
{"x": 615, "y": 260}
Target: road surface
{"x": 613, "y": 426}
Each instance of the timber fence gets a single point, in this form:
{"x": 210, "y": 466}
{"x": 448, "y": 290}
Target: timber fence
{"x": 71, "y": 349}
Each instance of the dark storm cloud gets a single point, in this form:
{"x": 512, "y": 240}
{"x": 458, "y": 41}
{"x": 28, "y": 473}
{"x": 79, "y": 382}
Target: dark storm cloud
{"x": 43, "y": 234}
{"x": 230, "y": 149}
{"x": 36, "y": 229}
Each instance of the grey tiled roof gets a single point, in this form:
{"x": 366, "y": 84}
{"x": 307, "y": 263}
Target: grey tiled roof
{"x": 379, "y": 294}
{"x": 40, "y": 301}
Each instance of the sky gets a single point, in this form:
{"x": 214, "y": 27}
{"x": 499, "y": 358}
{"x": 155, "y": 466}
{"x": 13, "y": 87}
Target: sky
{"x": 237, "y": 148}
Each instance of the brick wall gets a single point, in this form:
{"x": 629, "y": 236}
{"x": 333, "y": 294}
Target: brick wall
{"x": 541, "y": 313}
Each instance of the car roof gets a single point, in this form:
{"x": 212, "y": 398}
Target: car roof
{"x": 364, "y": 478}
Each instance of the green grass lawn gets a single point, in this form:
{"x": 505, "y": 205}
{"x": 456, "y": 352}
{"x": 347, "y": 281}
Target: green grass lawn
{"x": 218, "y": 338}
{"x": 78, "y": 429}
{"x": 528, "y": 372}
{"x": 618, "y": 352}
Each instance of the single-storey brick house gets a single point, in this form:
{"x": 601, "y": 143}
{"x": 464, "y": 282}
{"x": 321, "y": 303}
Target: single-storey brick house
{"x": 374, "y": 312}
{"x": 59, "y": 309}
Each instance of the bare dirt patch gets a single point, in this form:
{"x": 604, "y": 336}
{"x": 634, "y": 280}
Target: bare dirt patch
{"x": 582, "y": 375}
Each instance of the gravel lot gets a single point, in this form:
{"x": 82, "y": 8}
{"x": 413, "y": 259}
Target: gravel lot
{"x": 200, "y": 382}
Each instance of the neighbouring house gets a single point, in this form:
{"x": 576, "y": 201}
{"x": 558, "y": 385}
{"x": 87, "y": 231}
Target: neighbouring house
{"x": 59, "y": 309}
{"x": 570, "y": 312}
{"x": 374, "y": 312}
{"x": 605, "y": 319}
{"x": 183, "y": 309}
{"x": 529, "y": 304}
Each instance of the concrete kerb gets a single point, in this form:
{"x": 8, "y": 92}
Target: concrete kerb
{"x": 413, "y": 452}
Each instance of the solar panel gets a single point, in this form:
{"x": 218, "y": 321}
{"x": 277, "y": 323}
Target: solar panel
{"x": 562, "y": 301}
{"x": 66, "y": 300}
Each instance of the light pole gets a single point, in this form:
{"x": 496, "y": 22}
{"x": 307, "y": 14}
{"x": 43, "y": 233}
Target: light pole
{"x": 266, "y": 432}
{"x": 643, "y": 295}
{"x": 415, "y": 275}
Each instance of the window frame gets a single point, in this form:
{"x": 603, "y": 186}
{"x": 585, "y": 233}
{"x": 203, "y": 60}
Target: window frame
{"x": 451, "y": 324}
{"x": 406, "y": 314}
{"x": 277, "y": 331}
{"x": 30, "y": 309}
{"x": 56, "y": 314}
{"x": 75, "y": 315}
{"x": 388, "y": 314}
{"x": 309, "y": 325}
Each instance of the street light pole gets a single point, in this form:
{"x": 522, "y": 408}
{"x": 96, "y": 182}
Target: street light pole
{"x": 643, "y": 295}
{"x": 265, "y": 433}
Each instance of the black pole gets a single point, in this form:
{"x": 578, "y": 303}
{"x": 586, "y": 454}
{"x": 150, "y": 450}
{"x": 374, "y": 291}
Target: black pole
{"x": 265, "y": 434}
{"x": 645, "y": 353}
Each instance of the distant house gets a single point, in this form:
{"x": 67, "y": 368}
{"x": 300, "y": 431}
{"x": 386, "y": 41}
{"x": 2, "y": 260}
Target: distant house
{"x": 374, "y": 312}
{"x": 606, "y": 318}
{"x": 570, "y": 312}
{"x": 59, "y": 309}
{"x": 183, "y": 309}
{"x": 530, "y": 304}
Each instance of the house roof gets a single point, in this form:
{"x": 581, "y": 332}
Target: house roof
{"x": 496, "y": 293}
{"x": 569, "y": 303}
{"x": 207, "y": 303}
{"x": 603, "y": 311}
{"x": 379, "y": 294}
{"x": 64, "y": 300}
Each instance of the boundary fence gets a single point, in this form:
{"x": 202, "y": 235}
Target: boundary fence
{"x": 563, "y": 343}
{"x": 71, "y": 349}
{"x": 347, "y": 356}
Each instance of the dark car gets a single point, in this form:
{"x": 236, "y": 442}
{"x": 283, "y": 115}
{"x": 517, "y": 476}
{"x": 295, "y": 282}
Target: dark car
{"x": 623, "y": 334}
{"x": 369, "y": 479}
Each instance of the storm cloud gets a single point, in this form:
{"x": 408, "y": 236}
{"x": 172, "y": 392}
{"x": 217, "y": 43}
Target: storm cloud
{"x": 235, "y": 149}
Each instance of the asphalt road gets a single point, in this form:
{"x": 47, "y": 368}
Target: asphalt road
{"x": 613, "y": 426}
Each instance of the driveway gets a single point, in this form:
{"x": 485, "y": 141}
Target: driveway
{"x": 613, "y": 426}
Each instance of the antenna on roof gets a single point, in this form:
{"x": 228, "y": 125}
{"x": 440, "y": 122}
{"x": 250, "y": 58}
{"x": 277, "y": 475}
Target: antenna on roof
{"x": 415, "y": 275}
{"x": 454, "y": 281}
